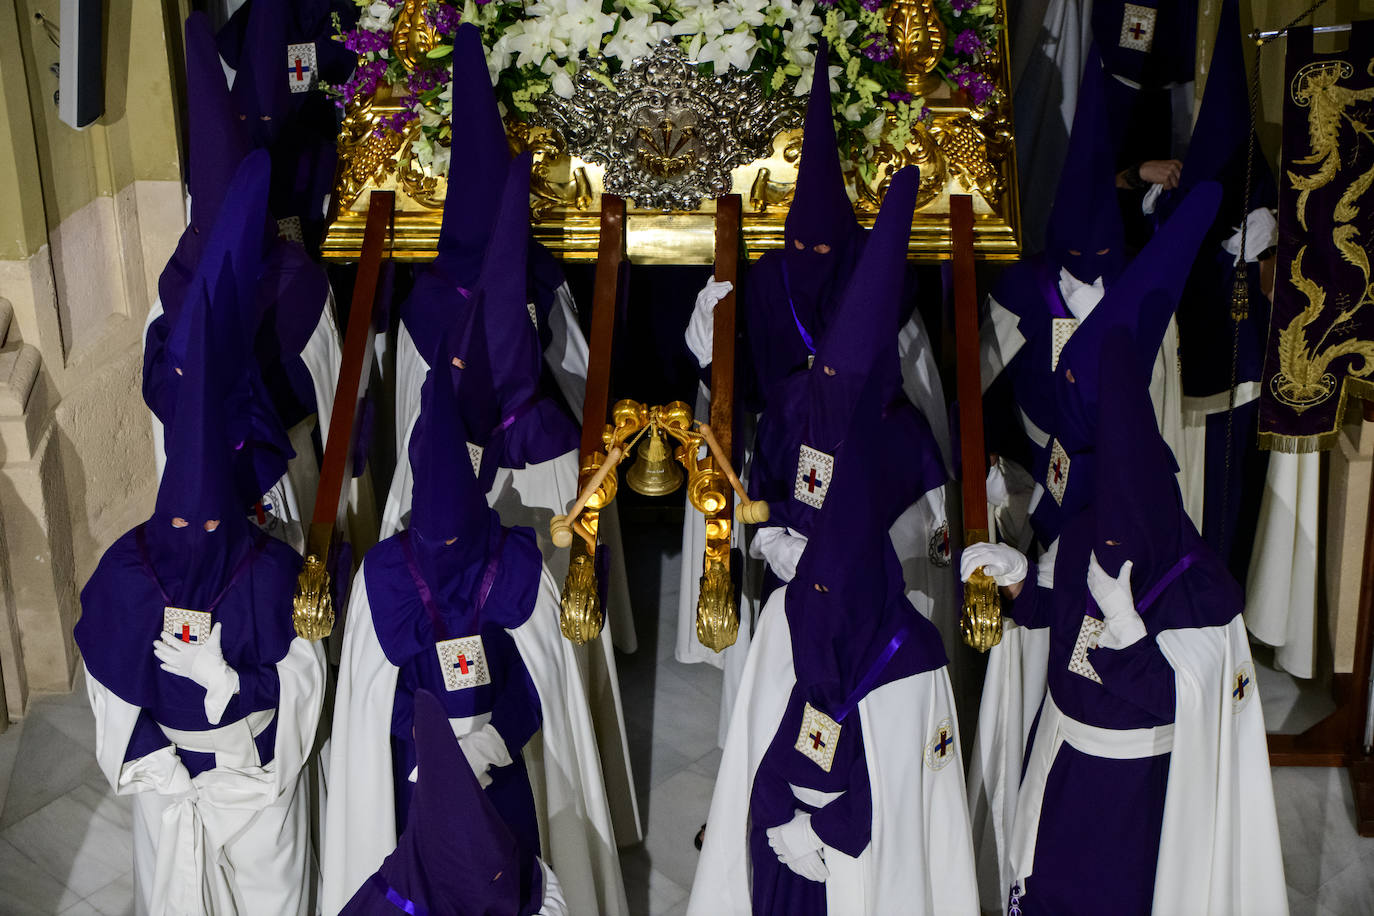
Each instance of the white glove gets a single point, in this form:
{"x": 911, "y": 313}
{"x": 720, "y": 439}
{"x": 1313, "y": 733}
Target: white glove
{"x": 701, "y": 329}
{"x": 1006, "y": 565}
{"x": 781, "y": 548}
{"x": 484, "y": 749}
{"x": 203, "y": 664}
{"x": 1123, "y": 626}
{"x": 797, "y": 846}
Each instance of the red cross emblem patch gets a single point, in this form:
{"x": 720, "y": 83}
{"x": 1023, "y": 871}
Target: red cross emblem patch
{"x": 814, "y": 470}
{"x": 300, "y": 66}
{"x": 941, "y": 748}
{"x": 1137, "y": 27}
{"x": 1057, "y": 477}
{"x": 1242, "y": 687}
{"x": 189, "y": 626}
{"x": 463, "y": 662}
{"x": 818, "y": 737}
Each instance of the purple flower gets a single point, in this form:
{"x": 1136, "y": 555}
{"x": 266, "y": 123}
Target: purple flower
{"x": 962, "y": 6}
{"x": 899, "y": 96}
{"x": 925, "y": 113}
{"x": 872, "y": 5}
{"x": 424, "y": 79}
{"x": 876, "y": 48}
{"x": 444, "y": 19}
{"x": 363, "y": 82}
{"x": 396, "y": 123}
{"x": 968, "y": 43}
{"x": 978, "y": 86}
{"x": 365, "y": 41}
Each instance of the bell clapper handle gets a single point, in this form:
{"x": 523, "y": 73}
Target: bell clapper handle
{"x": 561, "y": 527}
{"x": 751, "y": 512}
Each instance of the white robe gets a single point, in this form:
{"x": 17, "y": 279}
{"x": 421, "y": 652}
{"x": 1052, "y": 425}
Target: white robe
{"x": 240, "y": 843}
{"x": 1281, "y": 589}
{"x": 292, "y": 497}
{"x": 919, "y": 860}
{"x": 575, "y": 830}
{"x": 1219, "y": 844}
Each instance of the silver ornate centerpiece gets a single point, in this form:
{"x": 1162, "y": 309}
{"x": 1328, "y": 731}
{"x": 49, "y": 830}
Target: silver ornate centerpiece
{"x": 668, "y": 134}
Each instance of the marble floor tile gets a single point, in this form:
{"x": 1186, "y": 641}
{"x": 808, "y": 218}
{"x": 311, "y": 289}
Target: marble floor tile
{"x": 648, "y": 889}
{"x": 74, "y": 842}
{"x": 676, "y": 809}
{"x": 1316, "y": 826}
{"x": 81, "y": 908}
{"x": 115, "y": 898}
{"x": 28, "y": 890}
{"x": 48, "y": 765}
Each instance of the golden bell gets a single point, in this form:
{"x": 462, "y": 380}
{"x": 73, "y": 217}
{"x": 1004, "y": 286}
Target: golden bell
{"x": 655, "y": 473}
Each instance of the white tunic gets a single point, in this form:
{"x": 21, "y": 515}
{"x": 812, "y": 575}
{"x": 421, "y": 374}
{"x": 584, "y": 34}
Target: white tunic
{"x": 239, "y": 842}
{"x": 919, "y": 860}
{"x": 564, "y": 770}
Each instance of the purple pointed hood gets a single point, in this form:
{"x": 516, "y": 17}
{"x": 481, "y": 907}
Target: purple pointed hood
{"x": 444, "y": 288}
{"x": 863, "y": 335}
{"x": 262, "y": 95}
{"x": 217, "y": 146}
{"x": 1138, "y": 509}
{"x": 847, "y": 602}
{"x": 447, "y": 501}
{"x": 821, "y": 211}
{"x": 456, "y": 857}
{"x": 1141, "y": 302}
{"x": 482, "y": 160}
{"x": 1086, "y": 217}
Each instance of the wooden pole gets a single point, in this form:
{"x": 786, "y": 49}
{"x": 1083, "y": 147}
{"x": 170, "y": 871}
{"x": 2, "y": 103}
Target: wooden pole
{"x": 973, "y": 463}
{"x": 723, "y": 343}
{"x": 610, "y": 255}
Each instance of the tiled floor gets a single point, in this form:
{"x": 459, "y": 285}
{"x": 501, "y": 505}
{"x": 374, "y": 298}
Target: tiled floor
{"x": 64, "y": 842}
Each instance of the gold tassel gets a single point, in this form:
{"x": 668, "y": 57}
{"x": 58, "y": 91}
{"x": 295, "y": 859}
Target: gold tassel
{"x": 1240, "y": 294}
{"x": 717, "y": 616}
{"x": 581, "y": 617}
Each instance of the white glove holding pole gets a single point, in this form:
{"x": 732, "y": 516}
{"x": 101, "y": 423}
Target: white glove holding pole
{"x": 781, "y": 548}
{"x": 797, "y": 846}
{"x": 203, "y": 664}
{"x": 701, "y": 329}
{"x": 1123, "y": 626}
{"x": 1006, "y": 565}
{"x": 484, "y": 749}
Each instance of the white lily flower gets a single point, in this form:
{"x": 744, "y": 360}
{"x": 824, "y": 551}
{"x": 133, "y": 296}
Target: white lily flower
{"x": 704, "y": 19}
{"x": 637, "y": 37}
{"x": 535, "y": 41}
{"x": 498, "y": 57}
{"x": 735, "y": 49}
{"x": 561, "y": 83}
{"x": 584, "y": 25}
{"x": 377, "y": 17}
{"x": 637, "y": 8}
{"x": 751, "y": 12}
{"x": 808, "y": 76}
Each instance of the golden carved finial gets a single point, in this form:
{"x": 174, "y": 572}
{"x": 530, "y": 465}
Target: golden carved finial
{"x": 581, "y": 617}
{"x": 312, "y": 610}
{"x": 717, "y": 616}
{"x": 412, "y": 37}
{"x": 981, "y": 623}
{"x": 918, "y": 36}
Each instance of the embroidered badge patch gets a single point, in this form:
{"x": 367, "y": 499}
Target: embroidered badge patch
{"x": 300, "y": 66}
{"x": 1137, "y": 27}
{"x": 1242, "y": 687}
{"x": 1057, "y": 476}
{"x": 1060, "y": 332}
{"x": 289, "y": 228}
{"x": 1088, "y": 635}
{"x": 186, "y": 625}
{"x": 941, "y": 749}
{"x": 819, "y": 734}
{"x": 463, "y": 662}
{"x": 534, "y": 316}
{"x": 814, "y": 470}
{"x": 475, "y": 456}
{"x": 938, "y": 547}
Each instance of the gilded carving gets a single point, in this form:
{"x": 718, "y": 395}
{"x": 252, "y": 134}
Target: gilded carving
{"x": 918, "y": 38}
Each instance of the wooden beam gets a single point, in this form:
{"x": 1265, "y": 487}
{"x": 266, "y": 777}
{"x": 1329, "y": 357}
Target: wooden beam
{"x": 337, "y": 467}
{"x": 973, "y": 463}
{"x": 610, "y": 255}
{"x": 723, "y": 343}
